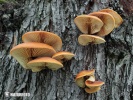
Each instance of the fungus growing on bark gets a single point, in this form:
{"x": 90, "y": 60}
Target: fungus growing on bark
{"x": 107, "y": 19}
{"x": 93, "y": 87}
{"x": 92, "y": 90}
{"x": 90, "y": 39}
{"x": 117, "y": 17}
{"x": 93, "y": 84}
{"x": 41, "y": 63}
{"x": 88, "y": 24}
{"x": 82, "y": 76}
{"x": 43, "y": 37}
{"x": 25, "y": 52}
{"x": 63, "y": 56}
{"x": 86, "y": 80}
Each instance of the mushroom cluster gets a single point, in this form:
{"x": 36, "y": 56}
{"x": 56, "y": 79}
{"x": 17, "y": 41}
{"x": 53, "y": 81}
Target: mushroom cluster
{"x": 97, "y": 25}
{"x": 86, "y": 79}
{"x": 40, "y": 50}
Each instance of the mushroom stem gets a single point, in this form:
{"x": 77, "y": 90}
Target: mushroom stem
{"x": 91, "y": 78}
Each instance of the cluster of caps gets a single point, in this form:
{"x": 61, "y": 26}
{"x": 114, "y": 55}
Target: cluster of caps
{"x": 96, "y": 25}
{"x": 40, "y": 50}
{"x": 86, "y": 79}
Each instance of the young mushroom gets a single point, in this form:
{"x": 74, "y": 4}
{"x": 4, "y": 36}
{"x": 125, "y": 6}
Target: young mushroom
{"x": 86, "y": 79}
{"x": 93, "y": 84}
{"x": 88, "y": 24}
{"x": 63, "y": 56}
{"x": 90, "y": 39}
{"x": 25, "y": 52}
{"x": 83, "y": 75}
{"x": 41, "y": 63}
{"x": 92, "y": 90}
{"x": 93, "y": 87}
{"x": 43, "y": 37}
{"x": 107, "y": 19}
{"x": 117, "y": 17}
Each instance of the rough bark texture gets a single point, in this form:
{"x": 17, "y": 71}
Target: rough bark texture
{"x": 113, "y": 60}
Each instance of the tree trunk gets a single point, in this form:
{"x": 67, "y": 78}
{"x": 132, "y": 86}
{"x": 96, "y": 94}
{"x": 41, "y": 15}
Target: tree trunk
{"x": 112, "y": 60}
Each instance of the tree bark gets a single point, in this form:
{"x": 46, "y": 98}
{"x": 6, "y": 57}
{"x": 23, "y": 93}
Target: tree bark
{"x": 112, "y": 60}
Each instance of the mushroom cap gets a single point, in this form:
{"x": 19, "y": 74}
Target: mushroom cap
{"x": 43, "y": 37}
{"x": 117, "y": 17}
{"x": 93, "y": 84}
{"x": 88, "y": 24}
{"x": 80, "y": 81}
{"x": 85, "y": 73}
{"x": 44, "y": 62}
{"x": 92, "y": 90}
{"x": 86, "y": 39}
{"x": 63, "y": 56}
{"x": 108, "y": 20}
{"x": 25, "y": 52}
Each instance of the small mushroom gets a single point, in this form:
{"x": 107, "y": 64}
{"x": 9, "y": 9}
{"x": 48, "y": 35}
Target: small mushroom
{"x": 62, "y": 56}
{"x": 117, "y": 17}
{"x": 108, "y": 20}
{"x": 93, "y": 87}
{"x": 25, "y": 52}
{"x": 41, "y": 63}
{"x": 88, "y": 24}
{"x": 93, "y": 84}
{"x": 92, "y": 90}
{"x": 80, "y": 78}
{"x": 43, "y": 37}
{"x": 87, "y": 39}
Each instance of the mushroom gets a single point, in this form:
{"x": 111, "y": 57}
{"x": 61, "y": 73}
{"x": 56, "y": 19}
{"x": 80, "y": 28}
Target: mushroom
{"x": 43, "y": 37}
{"x": 88, "y": 24}
{"x": 108, "y": 20}
{"x": 25, "y": 52}
{"x": 93, "y": 87}
{"x": 92, "y": 90}
{"x": 117, "y": 17}
{"x": 93, "y": 84}
{"x": 62, "y": 56}
{"x": 82, "y": 76}
{"x": 41, "y": 63}
{"x": 86, "y": 39}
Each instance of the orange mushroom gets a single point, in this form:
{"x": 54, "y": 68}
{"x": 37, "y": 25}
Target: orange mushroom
{"x": 93, "y": 87}
{"x": 107, "y": 19}
{"x": 41, "y": 63}
{"x": 25, "y": 52}
{"x": 80, "y": 78}
{"x": 88, "y": 24}
{"x": 92, "y": 90}
{"x": 90, "y": 39}
{"x": 61, "y": 56}
{"x": 117, "y": 17}
{"x": 43, "y": 37}
{"x": 86, "y": 79}
{"x": 93, "y": 84}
